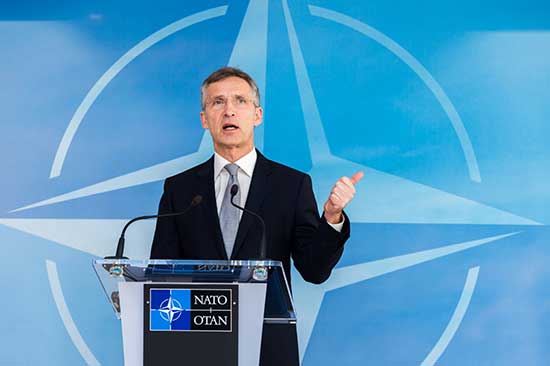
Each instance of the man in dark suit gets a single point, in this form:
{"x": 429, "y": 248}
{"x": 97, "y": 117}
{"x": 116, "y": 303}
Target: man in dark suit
{"x": 282, "y": 196}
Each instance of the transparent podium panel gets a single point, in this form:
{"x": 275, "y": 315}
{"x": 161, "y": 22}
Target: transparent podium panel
{"x": 278, "y": 307}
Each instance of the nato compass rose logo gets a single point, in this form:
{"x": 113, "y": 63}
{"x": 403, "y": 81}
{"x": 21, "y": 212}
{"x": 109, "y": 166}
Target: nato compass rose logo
{"x": 169, "y": 309}
{"x": 383, "y": 198}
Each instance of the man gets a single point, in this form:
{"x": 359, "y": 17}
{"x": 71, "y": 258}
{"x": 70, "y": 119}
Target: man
{"x": 282, "y": 196}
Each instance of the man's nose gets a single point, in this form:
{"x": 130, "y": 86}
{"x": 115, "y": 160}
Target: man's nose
{"x": 229, "y": 108}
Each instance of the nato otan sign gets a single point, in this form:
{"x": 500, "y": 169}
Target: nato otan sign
{"x": 190, "y": 310}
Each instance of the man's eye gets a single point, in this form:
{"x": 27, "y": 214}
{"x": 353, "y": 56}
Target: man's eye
{"x": 241, "y": 100}
{"x": 218, "y": 102}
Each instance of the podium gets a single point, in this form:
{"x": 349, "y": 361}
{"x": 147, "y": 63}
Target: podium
{"x": 187, "y": 312}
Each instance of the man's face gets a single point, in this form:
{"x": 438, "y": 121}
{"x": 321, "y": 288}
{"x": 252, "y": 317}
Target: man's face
{"x": 230, "y": 114}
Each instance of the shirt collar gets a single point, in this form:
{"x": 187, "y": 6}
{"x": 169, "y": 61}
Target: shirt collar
{"x": 246, "y": 163}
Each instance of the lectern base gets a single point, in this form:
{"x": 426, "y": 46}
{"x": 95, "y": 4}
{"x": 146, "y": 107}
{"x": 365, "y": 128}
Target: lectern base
{"x": 279, "y": 345}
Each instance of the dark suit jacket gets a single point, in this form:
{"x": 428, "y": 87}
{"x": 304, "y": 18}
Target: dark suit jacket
{"x": 282, "y": 196}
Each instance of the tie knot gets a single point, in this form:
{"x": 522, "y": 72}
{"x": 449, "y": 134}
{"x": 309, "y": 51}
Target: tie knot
{"x": 232, "y": 169}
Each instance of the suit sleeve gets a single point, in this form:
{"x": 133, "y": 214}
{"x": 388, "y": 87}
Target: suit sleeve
{"x": 166, "y": 239}
{"x": 317, "y": 246}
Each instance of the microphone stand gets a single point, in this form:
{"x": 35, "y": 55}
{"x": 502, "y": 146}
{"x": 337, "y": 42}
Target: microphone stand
{"x": 260, "y": 272}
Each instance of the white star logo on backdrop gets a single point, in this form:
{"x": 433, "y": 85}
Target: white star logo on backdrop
{"x": 389, "y": 198}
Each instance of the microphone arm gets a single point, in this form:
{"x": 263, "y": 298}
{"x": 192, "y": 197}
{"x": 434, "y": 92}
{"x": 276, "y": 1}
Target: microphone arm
{"x": 120, "y": 246}
{"x": 263, "y": 242}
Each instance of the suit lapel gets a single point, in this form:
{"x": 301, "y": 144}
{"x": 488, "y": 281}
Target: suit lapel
{"x": 256, "y": 194}
{"x": 205, "y": 181}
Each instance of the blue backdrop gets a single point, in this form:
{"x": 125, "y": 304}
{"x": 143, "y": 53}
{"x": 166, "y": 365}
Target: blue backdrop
{"x": 444, "y": 106}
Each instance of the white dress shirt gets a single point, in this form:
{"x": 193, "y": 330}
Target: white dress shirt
{"x": 244, "y": 176}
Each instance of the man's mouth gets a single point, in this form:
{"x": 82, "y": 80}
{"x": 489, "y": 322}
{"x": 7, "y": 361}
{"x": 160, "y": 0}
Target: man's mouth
{"x": 230, "y": 127}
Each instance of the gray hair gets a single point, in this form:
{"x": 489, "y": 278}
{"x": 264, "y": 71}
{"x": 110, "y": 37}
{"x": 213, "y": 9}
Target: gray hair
{"x": 227, "y": 72}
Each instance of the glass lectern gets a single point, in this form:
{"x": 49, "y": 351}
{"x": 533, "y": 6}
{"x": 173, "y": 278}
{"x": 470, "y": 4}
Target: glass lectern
{"x": 199, "y": 312}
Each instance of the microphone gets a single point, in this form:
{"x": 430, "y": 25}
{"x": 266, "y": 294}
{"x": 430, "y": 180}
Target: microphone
{"x": 120, "y": 247}
{"x": 263, "y": 242}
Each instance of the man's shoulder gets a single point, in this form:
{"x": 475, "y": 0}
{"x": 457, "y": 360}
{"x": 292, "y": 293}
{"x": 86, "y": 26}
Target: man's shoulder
{"x": 285, "y": 172}
{"x": 191, "y": 173}
{"x": 278, "y": 169}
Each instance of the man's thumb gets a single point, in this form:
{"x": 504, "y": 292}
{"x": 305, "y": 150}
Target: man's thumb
{"x": 357, "y": 177}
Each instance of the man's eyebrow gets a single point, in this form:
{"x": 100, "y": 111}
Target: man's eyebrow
{"x": 216, "y": 96}
{"x": 224, "y": 96}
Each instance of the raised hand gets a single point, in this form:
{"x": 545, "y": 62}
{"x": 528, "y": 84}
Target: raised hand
{"x": 340, "y": 195}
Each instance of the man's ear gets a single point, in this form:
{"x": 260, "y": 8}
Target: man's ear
{"x": 203, "y": 121}
{"x": 259, "y": 115}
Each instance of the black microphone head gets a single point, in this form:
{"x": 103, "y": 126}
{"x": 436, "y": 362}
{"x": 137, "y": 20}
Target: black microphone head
{"x": 196, "y": 200}
{"x": 234, "y": 190}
